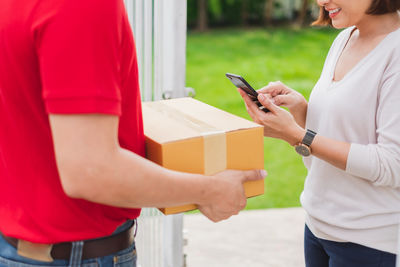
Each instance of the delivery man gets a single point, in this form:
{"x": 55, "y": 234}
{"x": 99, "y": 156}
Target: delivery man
{"x": 72, "y": 172}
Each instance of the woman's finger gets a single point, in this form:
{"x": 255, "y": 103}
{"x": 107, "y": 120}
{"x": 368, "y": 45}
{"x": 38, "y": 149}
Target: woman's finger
{"x": 276, "y": 88}
{"x": 266, "y": 102}
{"x": 267, "y": 89}
{"x": 252, "y": 107}
{"x": 281, "y": 100}
{"x": 247, "y": 101}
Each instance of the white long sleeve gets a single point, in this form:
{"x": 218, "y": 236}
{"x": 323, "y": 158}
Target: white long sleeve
{"x": 380, "y": 162}
{"x": 362, "y": 203}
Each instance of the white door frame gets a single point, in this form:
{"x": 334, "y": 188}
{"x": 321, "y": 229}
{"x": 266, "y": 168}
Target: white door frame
{"x": 159, "y": 28}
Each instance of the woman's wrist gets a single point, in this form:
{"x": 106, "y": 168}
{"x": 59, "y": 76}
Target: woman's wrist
{"x": 296, "y": 135}
{"x": 299, "y": 113}
{"x": 300, "y": 108}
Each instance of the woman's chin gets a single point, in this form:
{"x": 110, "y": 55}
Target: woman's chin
{"x": 339, "y": 25}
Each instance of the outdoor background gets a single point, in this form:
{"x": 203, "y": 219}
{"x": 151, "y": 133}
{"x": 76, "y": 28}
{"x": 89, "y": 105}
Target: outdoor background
{"x": 262, "y": 40}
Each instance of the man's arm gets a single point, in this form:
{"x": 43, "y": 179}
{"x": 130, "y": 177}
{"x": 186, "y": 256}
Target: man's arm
{"x": 94, "y": 167}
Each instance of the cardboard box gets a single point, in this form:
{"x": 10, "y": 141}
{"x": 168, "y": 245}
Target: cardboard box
{"x": 190, "y": 136}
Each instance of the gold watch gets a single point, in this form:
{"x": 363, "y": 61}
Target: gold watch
{"x": 303, "y": 148}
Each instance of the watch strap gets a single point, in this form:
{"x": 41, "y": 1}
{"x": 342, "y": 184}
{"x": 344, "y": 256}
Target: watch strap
{"x": 309, "y": 137}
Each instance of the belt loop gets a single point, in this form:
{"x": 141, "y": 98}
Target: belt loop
{"x": 135, "y": 224}
{"x": 76, "y": 254}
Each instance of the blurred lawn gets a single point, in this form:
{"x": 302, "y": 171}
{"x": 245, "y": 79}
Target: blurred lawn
{"x": 294, "y": 57}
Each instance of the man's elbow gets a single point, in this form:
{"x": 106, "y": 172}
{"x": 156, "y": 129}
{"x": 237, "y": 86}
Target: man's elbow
{"x": 78, "y": 177}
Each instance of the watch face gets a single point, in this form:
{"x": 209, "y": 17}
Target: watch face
{"x": 303, "y": 150}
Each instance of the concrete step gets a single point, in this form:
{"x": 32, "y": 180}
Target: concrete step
{"x": 255, "y": 238}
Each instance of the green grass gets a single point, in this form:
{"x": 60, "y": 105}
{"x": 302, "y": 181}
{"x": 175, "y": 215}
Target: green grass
{"x": 295, "y": 57}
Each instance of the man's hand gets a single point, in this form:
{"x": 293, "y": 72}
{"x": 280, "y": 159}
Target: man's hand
{"x": 226, "y": 197}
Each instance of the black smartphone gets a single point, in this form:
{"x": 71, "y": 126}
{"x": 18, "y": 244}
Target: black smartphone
{"x": 241, "y": 83}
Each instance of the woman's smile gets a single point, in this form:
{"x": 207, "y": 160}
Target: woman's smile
{"x": 334, "y": 12}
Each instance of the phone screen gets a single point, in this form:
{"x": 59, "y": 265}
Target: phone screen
{"x": 241, "y": 83}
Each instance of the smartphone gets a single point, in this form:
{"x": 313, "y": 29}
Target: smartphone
{"x": 241, "y": 83}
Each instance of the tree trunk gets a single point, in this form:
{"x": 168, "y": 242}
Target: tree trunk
{"x": 202, "y": 19}
{"x": 244, "y": 12}
{"x": 268, "y": 11}
{"x": 303, "y": 13}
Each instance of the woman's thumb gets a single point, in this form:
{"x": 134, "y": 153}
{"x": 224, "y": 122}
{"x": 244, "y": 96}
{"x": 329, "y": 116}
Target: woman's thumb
{"x": 266, "y": 102}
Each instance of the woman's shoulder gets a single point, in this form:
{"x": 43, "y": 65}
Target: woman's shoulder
{"x": 394, "y": 40}
{"x": 391, "y": 49}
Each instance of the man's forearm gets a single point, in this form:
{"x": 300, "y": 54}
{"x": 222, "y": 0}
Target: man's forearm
{"x": 125, "y": 179}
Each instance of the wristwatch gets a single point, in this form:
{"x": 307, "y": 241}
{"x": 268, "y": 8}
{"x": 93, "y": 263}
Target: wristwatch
{"x": 303, "y": 148}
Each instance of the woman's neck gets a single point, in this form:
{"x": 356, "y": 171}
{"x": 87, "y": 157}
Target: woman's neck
{"x": 375, "y": 25}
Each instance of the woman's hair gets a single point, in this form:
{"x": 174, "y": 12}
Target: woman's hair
{"x": 378, "y": 7}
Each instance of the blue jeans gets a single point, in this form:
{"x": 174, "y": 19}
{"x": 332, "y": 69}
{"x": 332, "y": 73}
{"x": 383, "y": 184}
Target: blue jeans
{"x": 324, "y": 253}
{"x": 123, "y": 258}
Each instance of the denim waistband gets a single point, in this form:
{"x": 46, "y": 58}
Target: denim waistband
{"x": 125, "y": 226}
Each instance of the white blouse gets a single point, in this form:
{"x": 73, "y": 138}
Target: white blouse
{"x": 362, "y": 203}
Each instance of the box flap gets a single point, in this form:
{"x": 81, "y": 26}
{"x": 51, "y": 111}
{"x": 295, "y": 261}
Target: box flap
{"x": 187, "y": 118}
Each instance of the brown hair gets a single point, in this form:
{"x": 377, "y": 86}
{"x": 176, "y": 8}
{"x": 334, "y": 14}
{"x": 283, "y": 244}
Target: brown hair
{"x": 378, "y": 7}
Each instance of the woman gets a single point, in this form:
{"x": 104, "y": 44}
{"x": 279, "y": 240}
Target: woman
{"x": 351, "y": 128}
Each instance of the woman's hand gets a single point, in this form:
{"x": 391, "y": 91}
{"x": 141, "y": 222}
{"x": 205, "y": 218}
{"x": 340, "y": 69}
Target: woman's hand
{"x": 278, "y": 123}
{"x": 282, "y": 95}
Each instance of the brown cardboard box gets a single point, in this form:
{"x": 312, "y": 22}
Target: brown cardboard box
{"x": 187, "y": 135}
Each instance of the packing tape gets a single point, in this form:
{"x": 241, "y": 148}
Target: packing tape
{"x": 172, "y": 113}
{"x": 214, "y": 139}
{"x": 214, "y": 152}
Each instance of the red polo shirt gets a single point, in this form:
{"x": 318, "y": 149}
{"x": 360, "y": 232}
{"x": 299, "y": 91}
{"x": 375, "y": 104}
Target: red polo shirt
{"x": 64, "y": 57}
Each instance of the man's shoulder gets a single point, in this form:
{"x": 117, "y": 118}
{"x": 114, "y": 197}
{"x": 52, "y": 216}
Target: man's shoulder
{"x": 75, "y": 8}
